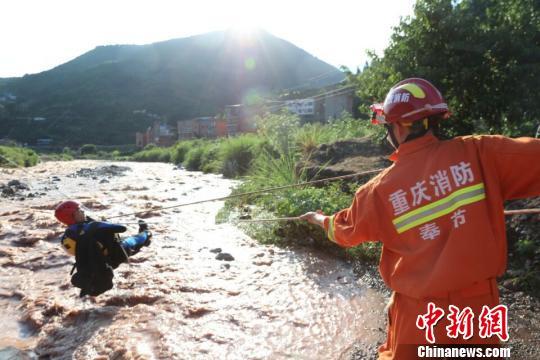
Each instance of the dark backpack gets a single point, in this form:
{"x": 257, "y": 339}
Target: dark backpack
{"x": 94, "y": 275}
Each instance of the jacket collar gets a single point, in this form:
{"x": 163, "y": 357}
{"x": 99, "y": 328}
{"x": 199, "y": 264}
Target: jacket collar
{"x": 415, "y": 145}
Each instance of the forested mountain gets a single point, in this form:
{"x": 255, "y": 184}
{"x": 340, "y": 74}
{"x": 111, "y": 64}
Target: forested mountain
{"x": 97, "y": 97}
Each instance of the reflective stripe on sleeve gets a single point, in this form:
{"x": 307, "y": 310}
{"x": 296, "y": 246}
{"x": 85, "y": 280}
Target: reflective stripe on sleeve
{"x": 444, "y": 206}
{"x": 331, "y": 229}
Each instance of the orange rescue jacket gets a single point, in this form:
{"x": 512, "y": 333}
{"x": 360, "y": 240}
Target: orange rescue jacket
{"x": 438, "y": 210}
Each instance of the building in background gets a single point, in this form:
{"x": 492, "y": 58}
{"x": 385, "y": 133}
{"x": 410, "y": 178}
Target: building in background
{"x": 209, "y": 127}
{"x": 185, "y": 129}
{"x": 240, "y": 119}
{"x": 142, "y": 138}
{"x": 159, "y": 133}
{"x": 323, "y": 107}
{"x": 339, "y": 101}
{"x": 304, "y": 108}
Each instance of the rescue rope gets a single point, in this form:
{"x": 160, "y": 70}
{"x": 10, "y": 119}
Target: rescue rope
{"x": 522, "y": 212}
{"x": 293, "y": 218}
{"x": 369, "y": 172}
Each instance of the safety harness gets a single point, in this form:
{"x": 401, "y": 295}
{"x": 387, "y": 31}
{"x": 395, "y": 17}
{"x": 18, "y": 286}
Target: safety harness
{"x": 97, "y": 253}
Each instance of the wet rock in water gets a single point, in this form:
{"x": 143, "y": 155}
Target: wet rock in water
{"x": 17, "y": 185}
{"x": 7, "y": 191}
{"x": 226, "y": 266}
{"x": 104, "y": 181}
{"x": 197, "y": 312}
{"x": 13, "y": 188}
{"x": 133, "y": 188}
{"x": 56, "y": 178}
{"x": 107, "y": 171}
{"x": 224, "y": 257}
{"x": 216, "y": 250}
{"x": 264, "y": 262}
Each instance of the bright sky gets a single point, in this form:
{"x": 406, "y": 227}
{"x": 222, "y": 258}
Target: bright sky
{"x": 37, "y": 35}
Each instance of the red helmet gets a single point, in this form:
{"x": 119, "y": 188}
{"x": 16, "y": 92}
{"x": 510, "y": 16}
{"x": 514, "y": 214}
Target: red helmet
{"x": 65, "y": 212}
{"x": 410, "y": 100}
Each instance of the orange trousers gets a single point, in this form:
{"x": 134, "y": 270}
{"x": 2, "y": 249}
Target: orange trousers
{"x": 403, "y": 336}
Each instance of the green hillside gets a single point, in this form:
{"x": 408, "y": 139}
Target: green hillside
{"x": 97, "y": 93}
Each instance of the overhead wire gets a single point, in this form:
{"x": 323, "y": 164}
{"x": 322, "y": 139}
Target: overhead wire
{"x": 308, "y": 81}
{"x": 325, "y": 95}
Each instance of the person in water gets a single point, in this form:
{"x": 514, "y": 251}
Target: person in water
{"x": 97, "y": 247}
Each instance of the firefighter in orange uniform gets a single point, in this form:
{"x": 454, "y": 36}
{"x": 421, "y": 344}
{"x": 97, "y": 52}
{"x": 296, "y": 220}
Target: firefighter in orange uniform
{"x": 438, "y": 211}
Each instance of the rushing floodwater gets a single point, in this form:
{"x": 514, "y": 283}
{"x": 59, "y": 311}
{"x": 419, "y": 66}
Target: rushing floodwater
{"x": 174, "y": 300}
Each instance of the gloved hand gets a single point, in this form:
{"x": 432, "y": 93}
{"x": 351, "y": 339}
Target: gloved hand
{"x": 148, "y": 238}
{"x": 142, "y": 226}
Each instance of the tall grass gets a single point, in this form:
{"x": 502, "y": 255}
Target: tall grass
{"x": 193, "y": 158}
{"x": 309, "y": 136}
{"x": 230, "y": 156}
{"x": 180, "y": 150}
{"x": 279, "y": 130}
{"x": 269, "y": 170}
{"x": 153, "y": 154}
{"x": 238, "y": 153}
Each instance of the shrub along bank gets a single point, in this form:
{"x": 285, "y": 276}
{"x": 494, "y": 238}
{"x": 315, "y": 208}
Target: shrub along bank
{"x": 18, "y": 156}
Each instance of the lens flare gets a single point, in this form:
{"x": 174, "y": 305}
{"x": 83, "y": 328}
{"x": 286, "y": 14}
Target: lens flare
{"x": 252, "y": 97}
{"x": 250, "y": 64}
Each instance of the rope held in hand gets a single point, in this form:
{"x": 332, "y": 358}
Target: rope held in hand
{"x": 293, "y": 218}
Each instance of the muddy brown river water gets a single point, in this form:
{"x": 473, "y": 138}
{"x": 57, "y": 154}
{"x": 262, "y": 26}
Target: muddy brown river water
{"x": 174, "y": 300}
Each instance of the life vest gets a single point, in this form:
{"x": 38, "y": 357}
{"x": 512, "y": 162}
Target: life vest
{"x": 97, "y": 252}
{"x": 69, "y": 245}
{"x": 104, "y": 233}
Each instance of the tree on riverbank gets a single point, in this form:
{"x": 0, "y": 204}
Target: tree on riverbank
{"x": 484, "y": 55}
